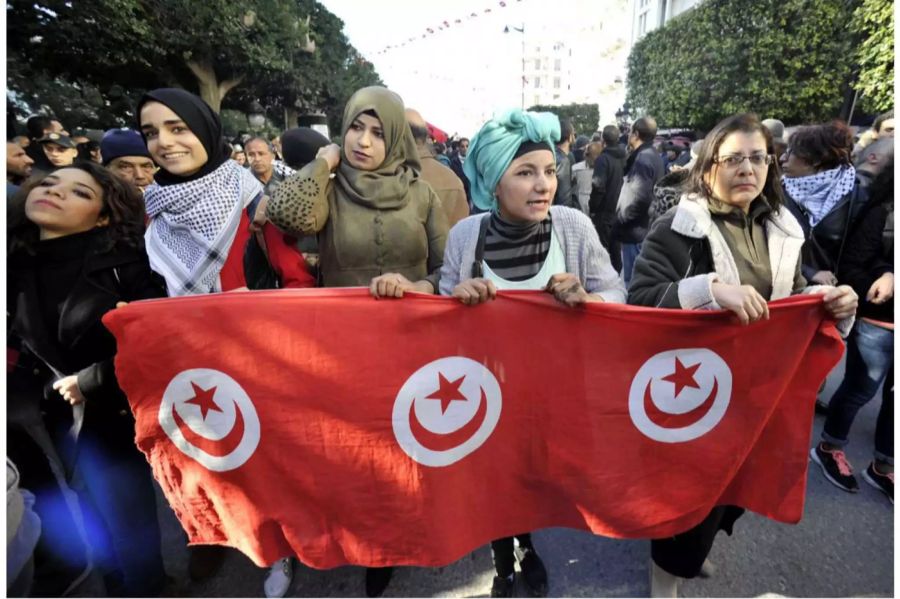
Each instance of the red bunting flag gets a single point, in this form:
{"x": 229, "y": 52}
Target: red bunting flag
{"x": 347, "y": 430}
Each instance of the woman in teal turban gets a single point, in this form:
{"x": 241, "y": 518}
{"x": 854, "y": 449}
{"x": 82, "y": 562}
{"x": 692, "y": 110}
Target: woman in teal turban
{"x": 522, "y": 242}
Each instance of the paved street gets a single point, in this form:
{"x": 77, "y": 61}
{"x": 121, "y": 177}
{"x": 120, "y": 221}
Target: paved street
{"x": 843, "y": 547}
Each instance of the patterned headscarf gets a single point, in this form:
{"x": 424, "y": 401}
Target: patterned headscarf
{"x": 821, "y": 192}
{"x": 494, "y": 147}
{"x": 194, "y": 219}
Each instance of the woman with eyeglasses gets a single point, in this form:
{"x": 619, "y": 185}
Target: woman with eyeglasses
{"x": 729, "y": 244}
{"x": 823, "y": 192}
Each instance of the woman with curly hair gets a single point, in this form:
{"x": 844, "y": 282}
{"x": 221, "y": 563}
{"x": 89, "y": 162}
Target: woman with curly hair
{"x": 75, "y": 251}
{"x": 822, "y": 191}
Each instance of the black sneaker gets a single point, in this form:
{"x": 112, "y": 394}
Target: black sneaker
{"x": 835, "y": 467}
{"x": 502, "y": 586}
{"x": 377, "y": 580}
{"x": 533, "y": 572}
{"x": 882, "y": 482}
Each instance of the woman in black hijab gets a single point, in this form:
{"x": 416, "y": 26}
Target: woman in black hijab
{"x": 202, "y": 205}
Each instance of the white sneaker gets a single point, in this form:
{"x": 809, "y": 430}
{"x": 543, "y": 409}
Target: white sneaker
{"x": 279, "y": 579}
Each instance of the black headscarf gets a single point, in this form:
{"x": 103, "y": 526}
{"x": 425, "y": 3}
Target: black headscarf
{"x": 300, "y": 145}
{"x": 200, "y": 119}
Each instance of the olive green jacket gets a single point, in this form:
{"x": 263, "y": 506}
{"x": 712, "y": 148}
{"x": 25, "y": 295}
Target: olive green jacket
{"x": 357, "y": 241}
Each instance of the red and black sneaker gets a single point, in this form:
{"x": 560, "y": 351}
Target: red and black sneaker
{"x": 835, "y": 467}
{"x": 884, "y": 482}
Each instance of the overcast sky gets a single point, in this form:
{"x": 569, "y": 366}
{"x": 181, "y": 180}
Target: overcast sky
{"x": 457, "y": 77}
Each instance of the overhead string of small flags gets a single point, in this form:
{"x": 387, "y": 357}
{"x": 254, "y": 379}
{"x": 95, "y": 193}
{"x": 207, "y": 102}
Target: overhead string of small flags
{"x": 443, "y": 25}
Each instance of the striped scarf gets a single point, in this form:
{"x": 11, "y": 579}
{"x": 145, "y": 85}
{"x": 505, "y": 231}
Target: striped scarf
{"x": 516, "y": 252}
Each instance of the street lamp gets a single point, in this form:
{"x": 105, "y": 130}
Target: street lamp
{"x": 522, "y": 31}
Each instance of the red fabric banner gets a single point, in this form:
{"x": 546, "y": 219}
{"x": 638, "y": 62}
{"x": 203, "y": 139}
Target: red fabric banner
{"x": 347, "y": 430}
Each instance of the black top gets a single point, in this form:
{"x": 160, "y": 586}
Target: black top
{"x": 868, "y": 255}
{"x": 56, "y": 299}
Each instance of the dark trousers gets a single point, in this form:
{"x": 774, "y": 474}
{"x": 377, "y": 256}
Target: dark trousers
{"x": 604, "y": 228}
{"x": 503, "y": 551}
{"x": 870, "y": 358}
{"x": 120, "y": 513}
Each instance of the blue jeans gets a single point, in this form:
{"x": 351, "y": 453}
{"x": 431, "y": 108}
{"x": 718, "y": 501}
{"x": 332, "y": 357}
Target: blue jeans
{"x": 870, "y": 358}
{"x": 630, "y": 252}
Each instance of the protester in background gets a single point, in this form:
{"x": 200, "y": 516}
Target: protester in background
{"x": 566, "y": 193}
{"x": 442, "y": 179}
{"x": 824, "y": 195}
{"x": 238, "y": 154}
{"x": 872, "y": 160}
{"x": 379, "y": 223}
{"x": 200, "y": 239}
{"x": 606, "y": 185}
{"x": 579, "y": 147}
{"x": 583, "y": 173}
{"x": 776, "y": 128}
{"x": 125, "y": 154}
{"x": 523, "y": 243}
{"x": 643, "y": 168}
{"x": 868, "y": 266}
{"x": 22, "y": 141}
{"x": 732, "y": 210}
{"x": 18, "y": 167}
{"x": 261, "y": 157}
{"x": 89, "y": 151}
{"x": 882, "y": 126}
{"x": 40, "y": 126}
{"x": 440, "y": 154}
{"x": 59, "y": 149}
{"x": 459, "y": 150}
{"x": 75, "y": 251}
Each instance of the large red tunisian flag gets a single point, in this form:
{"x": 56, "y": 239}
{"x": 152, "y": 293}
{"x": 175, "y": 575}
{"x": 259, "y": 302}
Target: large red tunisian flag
{"x": 347, "y": 430}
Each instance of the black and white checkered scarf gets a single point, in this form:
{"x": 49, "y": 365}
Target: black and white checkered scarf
{"x": 193, "y": 225}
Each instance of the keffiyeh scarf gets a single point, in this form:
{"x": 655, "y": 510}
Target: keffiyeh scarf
{"x": 193, "y": 225}
{"x": 818, "y": 194}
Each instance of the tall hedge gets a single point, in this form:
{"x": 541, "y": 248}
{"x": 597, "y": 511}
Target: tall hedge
{"x": 584, "y": 117}
{"x": 787, "y": 59}
{"x": 873, "y": 21}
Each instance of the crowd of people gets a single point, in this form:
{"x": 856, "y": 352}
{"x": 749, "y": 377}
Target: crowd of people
{"x": 740, "y": 217}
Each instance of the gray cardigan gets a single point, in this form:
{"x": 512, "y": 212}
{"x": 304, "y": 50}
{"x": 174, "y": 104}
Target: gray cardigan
{"x": 586, "y": 258}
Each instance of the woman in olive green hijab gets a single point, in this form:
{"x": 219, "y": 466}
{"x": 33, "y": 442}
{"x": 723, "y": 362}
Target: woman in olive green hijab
{"x": 379, "y": 224}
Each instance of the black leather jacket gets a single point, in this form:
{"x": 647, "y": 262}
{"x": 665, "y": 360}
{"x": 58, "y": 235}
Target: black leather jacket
{"x": 826, "y": 242}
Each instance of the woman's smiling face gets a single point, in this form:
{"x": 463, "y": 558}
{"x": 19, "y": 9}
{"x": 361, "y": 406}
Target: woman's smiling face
{"x": 170, "y": 142}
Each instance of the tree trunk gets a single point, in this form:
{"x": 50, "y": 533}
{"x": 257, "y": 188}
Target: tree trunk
{"x": 211, "y": 90}
{"x": 290, "y": 117}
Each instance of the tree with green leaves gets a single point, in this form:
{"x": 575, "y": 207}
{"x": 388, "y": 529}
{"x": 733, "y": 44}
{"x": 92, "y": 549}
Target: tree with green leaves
{"x": 785, "y": 59}
{"x": 210, "y": 46}
{"x": 585, "y": 117}
{"x": 323, "y": 80}
{"x": 873, "y": 22}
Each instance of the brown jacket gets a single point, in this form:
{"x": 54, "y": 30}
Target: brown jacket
{"x": 447, "y": 185}
{"x": 358, "y": 242}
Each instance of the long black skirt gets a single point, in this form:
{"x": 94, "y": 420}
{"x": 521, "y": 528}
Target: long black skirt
{"x": 684, "y": 553}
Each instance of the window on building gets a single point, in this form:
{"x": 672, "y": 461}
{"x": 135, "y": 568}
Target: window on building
{"x": 537, "y": 83}
{"x": 537, "y": 101}
{"x": 556, "y": 83}
{"x": 642, "y": 24}
{"x": 557, "y": 65}
{"x": 537, "y": 64}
